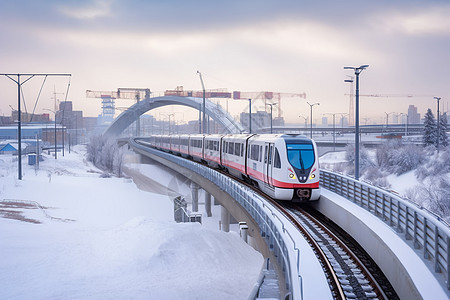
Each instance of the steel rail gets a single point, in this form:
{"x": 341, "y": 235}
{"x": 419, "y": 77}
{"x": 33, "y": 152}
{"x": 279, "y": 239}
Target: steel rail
{"x": 378, "y": 290}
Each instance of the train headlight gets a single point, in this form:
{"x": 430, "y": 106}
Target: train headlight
{"x": 313, "y": 176}
{"x": 292, "y": 176}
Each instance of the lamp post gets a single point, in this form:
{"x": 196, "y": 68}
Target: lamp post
{"x": 342, "y": 118}
{"x": 56, "y": 150}
{"x": 271, "y": 120}
{"x": 406, "y": 125}
{"x": 311, "y": 106}
{"x": 204, "y": 103}
{"x": 169, "y": 121}
{"x": 357, "y": 71}
{"x": 306, "y": 120}
{"x": 387, "y": 119}
{"x": 438, "y": 124}
{"x": 334, "y": 129}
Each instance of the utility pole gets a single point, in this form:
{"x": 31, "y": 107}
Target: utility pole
{"x": 54, "y": 111}
{"x": 62, "y": 117}
{"x": 19, "y": 125}
{"x": 358, "y": 71}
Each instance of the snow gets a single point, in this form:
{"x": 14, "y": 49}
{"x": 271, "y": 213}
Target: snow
{"x": 333, "y": 157}
{"x": 103, "y": 238}
{"x": 402, "y": 183}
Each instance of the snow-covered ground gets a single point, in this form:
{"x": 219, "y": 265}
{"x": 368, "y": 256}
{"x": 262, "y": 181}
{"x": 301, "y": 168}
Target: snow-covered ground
{"x": 103, "y": 238}
{"x": 399, "y": 184}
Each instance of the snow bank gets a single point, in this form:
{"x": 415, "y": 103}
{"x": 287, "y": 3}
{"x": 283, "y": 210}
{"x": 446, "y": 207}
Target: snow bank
{"x": 109, "y": 240}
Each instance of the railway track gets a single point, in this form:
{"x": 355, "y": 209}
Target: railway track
{"x": 351, "y": 272}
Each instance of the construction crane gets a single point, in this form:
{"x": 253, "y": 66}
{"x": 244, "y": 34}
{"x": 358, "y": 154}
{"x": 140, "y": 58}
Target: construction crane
{"x": 223, "y": 93}
{"x": 393, "y": 95}
{"x": 267, "y": 96}
{"x": 108, "y": 100}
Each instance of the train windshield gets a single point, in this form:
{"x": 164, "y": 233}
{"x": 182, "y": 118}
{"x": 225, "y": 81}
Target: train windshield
{"x": 301, "y": 156}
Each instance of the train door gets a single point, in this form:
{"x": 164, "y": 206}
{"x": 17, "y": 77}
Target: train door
{"x": 268, "y": 163}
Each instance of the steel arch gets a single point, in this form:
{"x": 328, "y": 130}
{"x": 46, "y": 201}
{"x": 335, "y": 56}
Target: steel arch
{"x": 127, "y": 117}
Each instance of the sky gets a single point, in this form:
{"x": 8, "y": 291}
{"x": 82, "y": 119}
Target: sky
{"x": 280, "y": 46}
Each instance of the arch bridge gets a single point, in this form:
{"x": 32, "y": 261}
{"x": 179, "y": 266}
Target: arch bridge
{"x": 213, "y": 110}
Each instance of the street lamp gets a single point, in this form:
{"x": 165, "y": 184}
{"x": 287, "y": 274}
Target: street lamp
{"x": 306, "y": 120}
{"x": 55, "y": 130}
{"x": 311, "y": 106}
{"x": 169, "y": 121}
{"x": 438, "y": 124}
{"x": 387, "y": 119}
{"x": 271, "y": 120}
{"x": 358, "y": 71}
{"x": 406, "y": 125}
{"x": 204, "y": 104}
{"x": 334, "y": 128}
{"x": 342, "y": 118}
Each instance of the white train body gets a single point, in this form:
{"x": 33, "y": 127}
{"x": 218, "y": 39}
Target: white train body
{"x": 285, "y": 167}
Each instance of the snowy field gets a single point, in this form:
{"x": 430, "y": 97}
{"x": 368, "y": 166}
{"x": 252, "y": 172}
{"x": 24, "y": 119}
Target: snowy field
{"x": 103, "y": 238}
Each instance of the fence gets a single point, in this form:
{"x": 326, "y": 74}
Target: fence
{"x": 427, "y": 232}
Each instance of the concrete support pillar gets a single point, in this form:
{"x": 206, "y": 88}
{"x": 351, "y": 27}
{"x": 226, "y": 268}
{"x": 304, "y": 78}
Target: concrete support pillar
{"x": 243, "y": 231}
{"x": 208, "y": 204}
{"x": 194, "y": 193}
{"x": 225, "y": 219}
{"x": 216, "y": 202}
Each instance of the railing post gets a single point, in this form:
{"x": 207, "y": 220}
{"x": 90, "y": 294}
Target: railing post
{"x": 407, "y": 235}
{"x": 416, "y": 242}
{"x": 425, "y": 239}
{"x": 399, "y": 226}
{"x": 448, "y": 262}
{"x": 437, "y": 268}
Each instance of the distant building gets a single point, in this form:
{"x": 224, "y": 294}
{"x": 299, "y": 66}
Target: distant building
{"x": 278, "y": 121}
{"x": 413, "y": 115}
{"x": 260, "y": 119}
{"x": 324, "y": 122}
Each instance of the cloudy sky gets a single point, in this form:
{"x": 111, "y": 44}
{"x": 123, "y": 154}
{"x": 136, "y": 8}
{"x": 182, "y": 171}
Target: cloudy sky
{"x": 258, "y": 45}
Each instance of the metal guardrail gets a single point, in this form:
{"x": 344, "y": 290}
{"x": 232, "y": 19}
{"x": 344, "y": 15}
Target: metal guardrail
{"x": 428, "y": 233}
{"x": 271, "y": 226}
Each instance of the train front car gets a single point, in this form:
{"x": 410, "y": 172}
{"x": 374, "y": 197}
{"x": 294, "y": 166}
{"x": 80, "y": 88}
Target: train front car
{"x": 285, "y": 166}
{"x": 302, "y": 166}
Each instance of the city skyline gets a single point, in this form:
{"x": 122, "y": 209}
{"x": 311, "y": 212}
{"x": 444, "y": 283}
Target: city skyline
{"x": 279, "y": 46}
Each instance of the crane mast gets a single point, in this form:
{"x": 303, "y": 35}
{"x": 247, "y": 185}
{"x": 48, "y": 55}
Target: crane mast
{"x": 108, "y": 101}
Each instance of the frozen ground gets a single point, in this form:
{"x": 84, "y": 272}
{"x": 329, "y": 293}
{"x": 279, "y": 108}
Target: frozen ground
{"x": 103, "y": 238}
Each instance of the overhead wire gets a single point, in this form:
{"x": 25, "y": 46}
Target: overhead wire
{"x": 24, "y": 102}
{"x": 37, "y": 99}
{"x": 65, "y": 99}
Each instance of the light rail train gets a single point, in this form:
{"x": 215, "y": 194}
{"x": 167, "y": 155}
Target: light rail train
{"x": 284, "y": 166}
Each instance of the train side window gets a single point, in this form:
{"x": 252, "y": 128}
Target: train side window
{"x": 237, "y": 148}
{"x": 277, "y": 160}
{"x": 270, "y": 154}
{"x": 265, "y": 155}
{"x": 230, "y": 148}
{"x": 242, "y": 150}
{"x": 260, "y": 153}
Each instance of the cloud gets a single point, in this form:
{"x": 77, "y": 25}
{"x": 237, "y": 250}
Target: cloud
{"x": 93, "y": 10}
{"x": 418, "y": 22}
